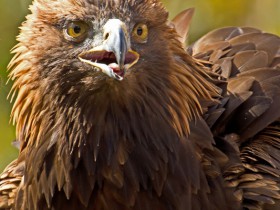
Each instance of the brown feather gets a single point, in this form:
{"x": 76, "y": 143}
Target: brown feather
{"x": 182, "y": 23}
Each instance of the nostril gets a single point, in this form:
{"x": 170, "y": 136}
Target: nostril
{"x": 106, "y": 36}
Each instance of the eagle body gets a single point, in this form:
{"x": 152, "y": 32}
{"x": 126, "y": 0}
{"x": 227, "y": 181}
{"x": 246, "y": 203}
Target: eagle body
{"x": 112, "y": 112}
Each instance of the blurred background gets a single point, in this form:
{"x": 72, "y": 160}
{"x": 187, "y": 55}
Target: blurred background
{"x": 209, "y": 14}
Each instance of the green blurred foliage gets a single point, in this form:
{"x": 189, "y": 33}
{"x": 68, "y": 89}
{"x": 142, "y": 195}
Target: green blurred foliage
{"x": 209, "y": 14}
{"x": 12, "y": 13}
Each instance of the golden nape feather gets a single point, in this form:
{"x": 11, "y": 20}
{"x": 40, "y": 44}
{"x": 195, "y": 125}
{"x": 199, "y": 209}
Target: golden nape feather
{"x": 113, "y": 112}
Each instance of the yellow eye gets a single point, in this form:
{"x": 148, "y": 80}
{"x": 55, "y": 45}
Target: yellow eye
{"x": 77, "y": 30}
{"x": 140, "y": 32}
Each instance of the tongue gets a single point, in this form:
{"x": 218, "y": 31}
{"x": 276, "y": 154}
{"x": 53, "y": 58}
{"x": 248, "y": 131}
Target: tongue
{"x": 115, "y": 67}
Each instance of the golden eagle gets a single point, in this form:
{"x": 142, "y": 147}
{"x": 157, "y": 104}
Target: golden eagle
{"x": 113, "y": 112}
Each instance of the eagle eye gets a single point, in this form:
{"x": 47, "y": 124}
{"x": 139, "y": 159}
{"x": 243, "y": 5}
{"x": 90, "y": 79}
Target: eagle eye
{"x": 76, "y": 31}
{"x": 140, "y": 32}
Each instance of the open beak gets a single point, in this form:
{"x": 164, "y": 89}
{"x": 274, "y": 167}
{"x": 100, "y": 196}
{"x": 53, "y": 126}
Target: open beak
{"x": 114, "y": 56}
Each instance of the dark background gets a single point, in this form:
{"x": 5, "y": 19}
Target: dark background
{"x": 209, "y": 14}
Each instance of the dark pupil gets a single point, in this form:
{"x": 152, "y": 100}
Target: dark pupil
{"x": 77, "y": 29}
{"x": 139, "y": 31}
